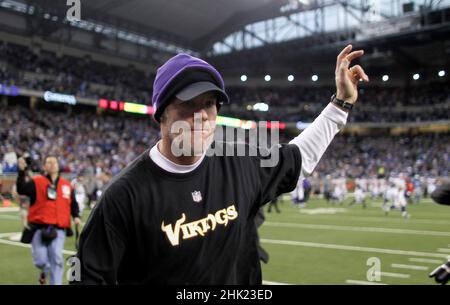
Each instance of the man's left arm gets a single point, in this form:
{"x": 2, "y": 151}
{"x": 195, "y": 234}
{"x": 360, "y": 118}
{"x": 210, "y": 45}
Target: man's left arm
{"x": 315, "y": 139}
{"x": 293, "y": 163}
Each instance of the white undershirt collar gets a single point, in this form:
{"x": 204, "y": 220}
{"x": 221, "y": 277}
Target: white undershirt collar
{"x": 170, "y": 166}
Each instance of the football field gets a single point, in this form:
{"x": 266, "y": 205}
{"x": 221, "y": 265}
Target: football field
{"x": 333, "y": 244}
{"x": 320, "y": 244}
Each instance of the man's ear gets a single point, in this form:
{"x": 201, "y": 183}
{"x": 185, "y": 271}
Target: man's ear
{"x": 163, "y": 117}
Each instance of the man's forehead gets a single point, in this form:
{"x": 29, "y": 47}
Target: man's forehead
{"x": 204, "y": 96}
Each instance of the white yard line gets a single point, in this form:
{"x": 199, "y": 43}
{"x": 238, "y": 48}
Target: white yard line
{"x": 425, "y": 260}
{"x": 351, "y": 248}
{"x": 11, "y": 209}
{"x": 15, "y": 237}
{"x": 8, "y": 234}
{"x": 356, "y": 229}
{"x": 410, "y": 267}
{"x": 379, "y": 218}
{"x": 19, "y": 244}
{"x": 363, "y": 282}
{"x": 274, "y": 283}
{"x": 396, "y": 275}
{"x": 445, "y": 250}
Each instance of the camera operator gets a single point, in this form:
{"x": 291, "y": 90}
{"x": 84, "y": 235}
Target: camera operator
{"x": 52, "y": 202}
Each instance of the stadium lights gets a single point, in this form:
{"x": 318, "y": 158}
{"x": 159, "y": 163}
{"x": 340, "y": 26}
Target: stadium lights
{"x": 441, "y": 73}
{"x": 302, "y": 125}
{"x": 9, "y": 90}
{"x": 314, "y": 78}
{"x": 220, "y": 120}
{"x": 238, "y": 123}
{"x": 261, "y": 107}
{"x": 290, "y": 78}
{"x": 243, "y": 78}
{"x": 125, "y": 106}
{"x": 385, "y": 78}
{"x": 59, "y": 98}
{"x": 267, "y": 78}
{"x": 416, "y": 76}
{"x": 258, "y": 107}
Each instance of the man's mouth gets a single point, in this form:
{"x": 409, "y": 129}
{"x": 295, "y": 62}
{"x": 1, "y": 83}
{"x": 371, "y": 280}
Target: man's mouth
{"x": 207, "y": 130}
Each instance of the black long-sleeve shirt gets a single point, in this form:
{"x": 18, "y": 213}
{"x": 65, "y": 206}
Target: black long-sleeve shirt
{"x": 28, "y": 188}
{"x": 156, "y": 227}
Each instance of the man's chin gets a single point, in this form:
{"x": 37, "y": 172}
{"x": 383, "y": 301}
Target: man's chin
{"x": 201, "y": 145}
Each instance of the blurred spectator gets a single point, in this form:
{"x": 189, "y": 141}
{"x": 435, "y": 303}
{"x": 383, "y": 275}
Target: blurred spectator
{"x": 101, "y": 145}
{"x": 84, "y": 77}
{"x": 9, "y": 160}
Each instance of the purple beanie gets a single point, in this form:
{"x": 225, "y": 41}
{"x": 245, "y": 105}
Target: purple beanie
{"x": 179, "y": 72}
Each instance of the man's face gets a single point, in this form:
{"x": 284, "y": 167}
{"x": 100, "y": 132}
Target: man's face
{"x": 51, "y": 165}
{"x": 198, "y": 122}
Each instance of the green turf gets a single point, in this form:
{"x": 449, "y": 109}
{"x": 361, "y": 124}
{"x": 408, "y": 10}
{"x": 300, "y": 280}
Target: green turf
{"x": 16, "y": 266}
{"x": 427, "y": 230}
{"x": 303, "y": 264}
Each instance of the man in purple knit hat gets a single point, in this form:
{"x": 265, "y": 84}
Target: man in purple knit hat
{"x": 179, "y": 215}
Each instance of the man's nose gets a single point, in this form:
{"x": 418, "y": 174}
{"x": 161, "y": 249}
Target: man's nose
{"x": 202, "y": 114}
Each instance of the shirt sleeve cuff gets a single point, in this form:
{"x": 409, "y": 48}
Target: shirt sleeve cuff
{"x": 335, "y": 114}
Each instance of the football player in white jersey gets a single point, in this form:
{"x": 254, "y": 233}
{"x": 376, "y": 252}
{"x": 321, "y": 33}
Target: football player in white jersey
{"x": 397, "y": 194}
{"x": 340, "y": 189}
{"x": 390, "y": 195}
{"x": 374, "y": 187}
{"x": 360, "y": 192}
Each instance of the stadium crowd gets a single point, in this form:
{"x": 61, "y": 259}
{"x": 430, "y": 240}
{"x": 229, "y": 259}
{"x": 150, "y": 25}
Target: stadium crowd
{"x": 84, "y": 77}
{"x": 364, "y": 156}
{"x": 376, "y": 104}
{"x": 97, "y": 147}
{"x": 107, "y": 143}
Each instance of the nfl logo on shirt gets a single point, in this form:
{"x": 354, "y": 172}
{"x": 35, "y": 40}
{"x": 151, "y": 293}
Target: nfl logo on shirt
{"x": 196, "y": 196}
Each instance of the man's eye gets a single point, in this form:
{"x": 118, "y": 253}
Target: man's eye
{"x": 186, "y": 105}
{"x": 210, "y": 103}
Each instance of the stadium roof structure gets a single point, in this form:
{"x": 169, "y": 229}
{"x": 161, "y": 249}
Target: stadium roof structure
{"x": 197, "y": 25}
{"x": 244, "y": 33}
{"x": 187, "y": 24}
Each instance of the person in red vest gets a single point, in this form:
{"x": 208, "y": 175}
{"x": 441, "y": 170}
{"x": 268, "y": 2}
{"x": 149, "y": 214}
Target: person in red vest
{"x": 52, "y": 202}
{"x": 409, "y": 190}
